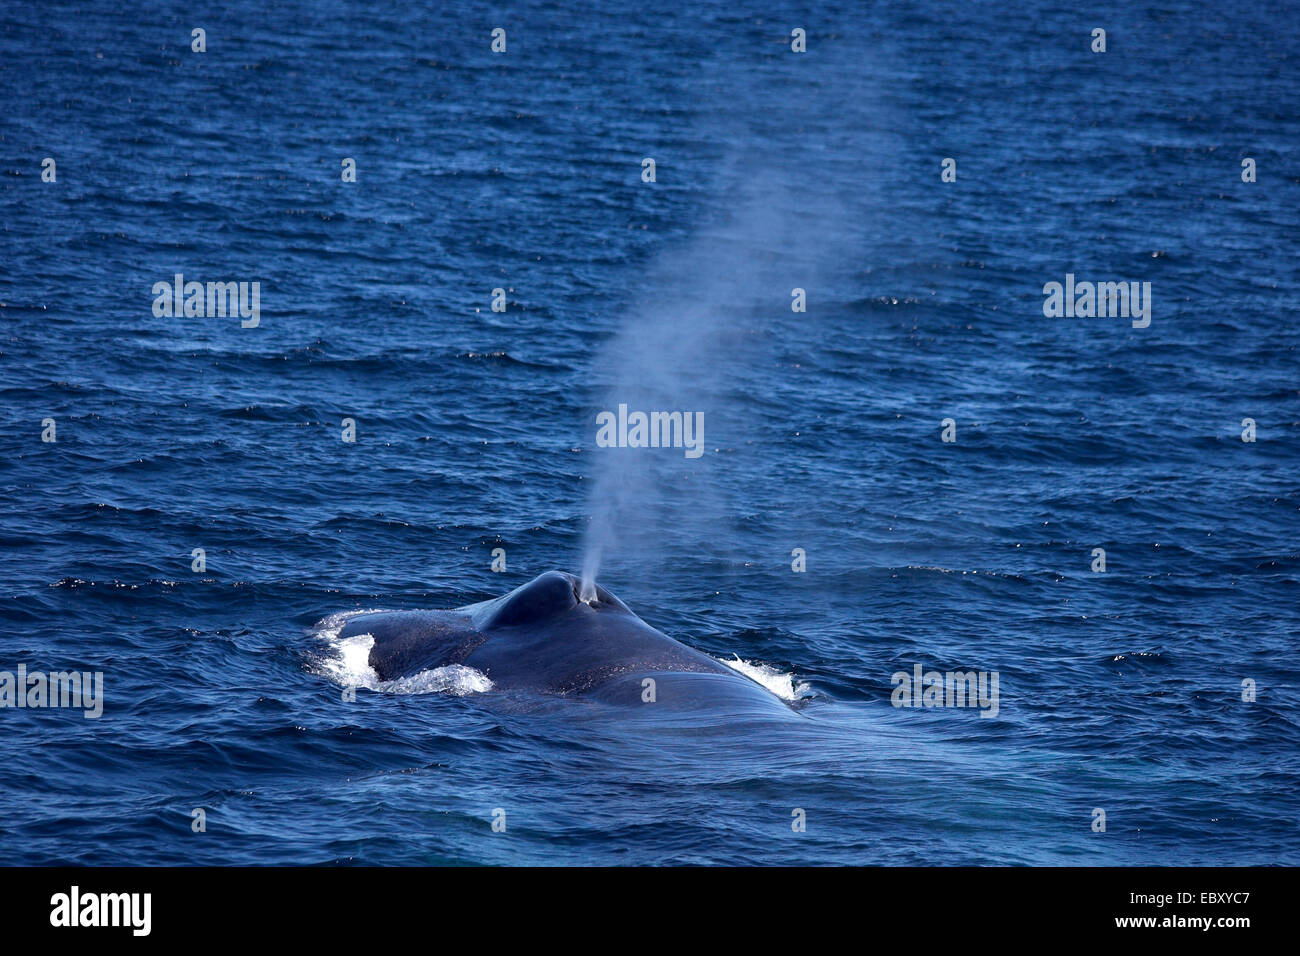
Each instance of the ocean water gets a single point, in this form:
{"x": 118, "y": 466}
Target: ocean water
{"x": 1119, "y": 691}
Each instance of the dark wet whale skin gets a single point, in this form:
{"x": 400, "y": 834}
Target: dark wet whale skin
{"x": 541, "y": 637}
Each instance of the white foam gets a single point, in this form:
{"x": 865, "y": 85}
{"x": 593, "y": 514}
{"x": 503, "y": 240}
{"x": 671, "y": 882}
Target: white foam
{"x": 455, "y": 679}
{"x": 781, "y": 684}
{"x": 348, "y": 663}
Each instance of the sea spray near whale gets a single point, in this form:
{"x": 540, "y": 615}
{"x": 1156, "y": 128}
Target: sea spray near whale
{"x": 690, "y": 338}
{"x": 544, "y": 638}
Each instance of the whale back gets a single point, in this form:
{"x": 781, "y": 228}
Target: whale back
{"x": 542, "y": 637}
{"x": 407, "y": 642}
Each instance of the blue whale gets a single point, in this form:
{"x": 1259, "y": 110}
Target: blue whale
{"x": 543, "y": 638}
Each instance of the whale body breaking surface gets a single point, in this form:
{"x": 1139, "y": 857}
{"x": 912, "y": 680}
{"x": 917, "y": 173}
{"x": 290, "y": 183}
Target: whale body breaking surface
{"x": 543, "y": 638}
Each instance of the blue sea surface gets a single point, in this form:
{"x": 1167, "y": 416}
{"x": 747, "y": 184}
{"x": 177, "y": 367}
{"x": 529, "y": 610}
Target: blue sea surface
{"x": 1120, "y": 690}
